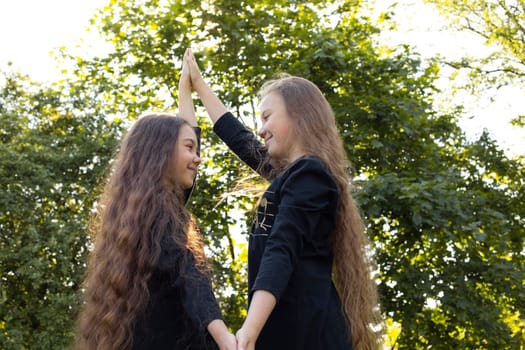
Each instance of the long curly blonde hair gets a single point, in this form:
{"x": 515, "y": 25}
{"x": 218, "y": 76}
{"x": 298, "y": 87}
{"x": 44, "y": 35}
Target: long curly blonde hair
{"x": 315, "y": 127}
{"x": 138, "y": 207}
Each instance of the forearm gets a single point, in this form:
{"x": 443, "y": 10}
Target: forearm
{"x": 220, "y": 333}
{"x": 209, "y": 99}
{"x": 186, "y": 108}
{"x": 262, "y": 305}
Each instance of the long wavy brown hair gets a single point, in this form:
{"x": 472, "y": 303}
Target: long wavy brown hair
{"x": 138, "y": 206}
{"x": 315, "y": 127}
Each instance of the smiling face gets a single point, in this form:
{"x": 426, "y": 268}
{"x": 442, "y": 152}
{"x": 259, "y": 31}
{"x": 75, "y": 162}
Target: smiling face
{"x": 182, "y": 168}
{"x": 277, "y": 129}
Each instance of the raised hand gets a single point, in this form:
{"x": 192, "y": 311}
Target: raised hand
{"x": 186, "y": 108}
{"x": 185, "y": 77}
{"x": 211, "y": 102}
{"x": 195, "y": 72}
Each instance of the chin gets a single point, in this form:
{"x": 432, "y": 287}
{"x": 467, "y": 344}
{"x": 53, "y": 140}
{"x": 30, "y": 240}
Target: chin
{"x": 190, "y": 183}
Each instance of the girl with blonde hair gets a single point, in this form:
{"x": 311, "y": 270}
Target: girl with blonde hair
{"x": 309, "y": 273}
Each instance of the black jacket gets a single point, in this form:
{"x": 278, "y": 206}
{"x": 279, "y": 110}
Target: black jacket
{"x": 181, "y": 304}
{"x": 290, "y": 252}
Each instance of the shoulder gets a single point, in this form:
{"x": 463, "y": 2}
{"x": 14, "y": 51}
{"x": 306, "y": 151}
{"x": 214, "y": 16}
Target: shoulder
{"x": 171, "y": 251}
{"x": 309, "y": 167}
{"x": 308, "y": 181}
{"x": 307, "y": 162}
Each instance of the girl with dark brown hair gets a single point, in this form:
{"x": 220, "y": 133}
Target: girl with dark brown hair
{"x": 147, "y": 283}
{"x": 309, "y": 272}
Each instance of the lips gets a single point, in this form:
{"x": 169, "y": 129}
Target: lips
{"x": 193, "y": 170}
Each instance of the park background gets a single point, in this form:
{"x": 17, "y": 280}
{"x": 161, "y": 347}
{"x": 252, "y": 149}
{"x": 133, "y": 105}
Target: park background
{"x": 430, "y": 103}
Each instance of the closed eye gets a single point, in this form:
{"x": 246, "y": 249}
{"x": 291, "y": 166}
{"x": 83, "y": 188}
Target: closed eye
{"x": 190, "y": 144}
{"x": 265, "y": 115}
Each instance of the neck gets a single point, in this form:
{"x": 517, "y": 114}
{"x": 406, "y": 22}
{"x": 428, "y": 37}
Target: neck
{"x": 294, "y": 154}
{"x": 294, "y": 157}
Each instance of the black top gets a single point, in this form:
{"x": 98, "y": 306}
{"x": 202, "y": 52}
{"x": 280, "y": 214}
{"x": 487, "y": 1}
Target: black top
{"x": 180, "y": 307}
{"x": 289, "y": 251}
{"x": 181, "y": 303}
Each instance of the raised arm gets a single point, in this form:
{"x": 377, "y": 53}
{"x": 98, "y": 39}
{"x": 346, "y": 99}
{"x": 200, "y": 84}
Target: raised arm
{"x": 186, "y": 108}
{"x": 209, "y": 99}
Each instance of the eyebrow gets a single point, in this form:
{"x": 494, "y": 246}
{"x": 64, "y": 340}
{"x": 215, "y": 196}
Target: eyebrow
{"x": 263, "y": 113}
{"x": 190, "y": 139}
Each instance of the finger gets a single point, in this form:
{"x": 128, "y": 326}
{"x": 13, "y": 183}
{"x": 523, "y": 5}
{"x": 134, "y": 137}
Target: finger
{"x": 192, "y": 56}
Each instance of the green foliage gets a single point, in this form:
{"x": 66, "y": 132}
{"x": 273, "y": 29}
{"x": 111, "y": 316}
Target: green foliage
{"x": 51, "y": 163}
{"x": 445, "y": 216}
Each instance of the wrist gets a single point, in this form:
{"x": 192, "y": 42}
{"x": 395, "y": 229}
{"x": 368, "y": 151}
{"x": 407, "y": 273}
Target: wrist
{"x": 218, "y": 330}
{"x": 198, "y": 84}
{"x": 249, "y": 332}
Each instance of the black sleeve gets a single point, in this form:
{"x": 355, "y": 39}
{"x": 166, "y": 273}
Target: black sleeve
{"x": 198, "y": 299}
{"x": 242, "y": 142}
{"x": 307, "y": 192}
{"x": 187, "y": 193}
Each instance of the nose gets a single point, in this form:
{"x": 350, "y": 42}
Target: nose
{"x": 261, "y": 132}
{"x": 197, "y": 160}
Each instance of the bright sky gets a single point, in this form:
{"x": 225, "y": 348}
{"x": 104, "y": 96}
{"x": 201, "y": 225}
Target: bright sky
{"x": 421, "y": 26}
{"x": 31, "y": 29}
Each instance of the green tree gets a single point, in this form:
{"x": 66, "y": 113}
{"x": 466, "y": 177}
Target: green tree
{"x": 445, "y": 215}
{"x": 54, "y": 151}
{"x": 424, "y": 189}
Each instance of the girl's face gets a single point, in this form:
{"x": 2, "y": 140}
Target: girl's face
{"x": 185, "y": 161}
{"x": 276, "y": 129}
